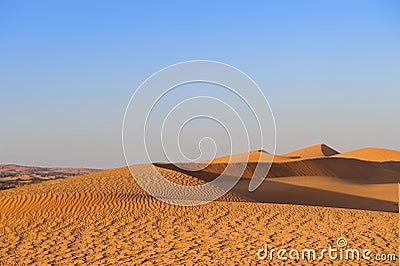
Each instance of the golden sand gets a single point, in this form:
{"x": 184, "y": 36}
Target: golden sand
{"x": 106, "y": 218}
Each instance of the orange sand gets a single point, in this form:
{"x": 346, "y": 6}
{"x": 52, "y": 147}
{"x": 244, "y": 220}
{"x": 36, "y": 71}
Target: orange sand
{"x": 106, "y": 218}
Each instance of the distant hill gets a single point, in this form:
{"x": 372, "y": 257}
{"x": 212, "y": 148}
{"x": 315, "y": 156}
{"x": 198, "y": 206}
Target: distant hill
{"x": 12, "y": 175}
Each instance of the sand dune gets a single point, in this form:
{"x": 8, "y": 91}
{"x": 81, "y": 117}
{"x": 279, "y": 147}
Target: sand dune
{"x": 253, "y": 156}
{"x": 342, "y": 183}
{"x": 372, "y": 154}
{"x": 351, "y": 170}
{"x": 323, "y": 191}
{"x": 319, "y": 150}
{"x": 107, "y": 218}
{"x": 327, "y": 180}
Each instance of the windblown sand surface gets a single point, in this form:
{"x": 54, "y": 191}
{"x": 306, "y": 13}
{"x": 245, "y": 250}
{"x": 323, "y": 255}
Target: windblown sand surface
{"x": 106, "y": 218}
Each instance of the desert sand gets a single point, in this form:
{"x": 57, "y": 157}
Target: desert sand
{"x": 373, "y": 154}
{"x": 308, "y": 200}
{"x": 319, "y": 150}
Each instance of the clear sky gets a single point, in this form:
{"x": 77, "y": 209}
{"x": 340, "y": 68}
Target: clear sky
{"x": 330, "y": 70}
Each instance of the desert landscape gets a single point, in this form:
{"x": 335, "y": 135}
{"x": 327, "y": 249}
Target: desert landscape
{"x": 310, "y": 198}
{"x": 199, "y": 133}
{"x": 12, "y": 175}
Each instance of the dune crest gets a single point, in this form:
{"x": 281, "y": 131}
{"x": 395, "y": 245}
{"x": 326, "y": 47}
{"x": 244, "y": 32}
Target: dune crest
{"x": 252, "y": 157}
{"x": 372, "y": 154}
{"x": 319, "y": 150}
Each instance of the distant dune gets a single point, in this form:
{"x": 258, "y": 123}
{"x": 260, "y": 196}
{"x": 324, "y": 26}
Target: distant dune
{"x": 319, "y": 150}
{"x": 253, "y": 157}
{"x": 315, "y": 151}
{"x": 373, "y": 154}
{"x": 107, "y": 218}
{"x": 317, "y": 175}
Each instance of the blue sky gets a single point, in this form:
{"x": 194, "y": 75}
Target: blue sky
{"x": 68, "y": 68}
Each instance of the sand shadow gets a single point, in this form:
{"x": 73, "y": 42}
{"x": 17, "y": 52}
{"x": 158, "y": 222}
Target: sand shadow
{"x": 272, "y": 191}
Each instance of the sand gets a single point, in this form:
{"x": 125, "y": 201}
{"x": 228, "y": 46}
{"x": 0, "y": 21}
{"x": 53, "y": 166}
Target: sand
{"x": 106, "y": 218}
{"x": 253, "y": 157}
{"x": 373, "y": 154}
{"x": 319, "y": 150}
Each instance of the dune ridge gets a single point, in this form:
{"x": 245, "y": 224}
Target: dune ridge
{"x": 333, "y": 180}
{"x": 252, "y": 156}
{"x": 318, "y": 150}
{"x": 372, "y": 154}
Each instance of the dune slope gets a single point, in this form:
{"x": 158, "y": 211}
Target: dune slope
{"x": 319, "y": 150}
{"x": 372, "y": 154}
{"x": 322, "y": 181}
